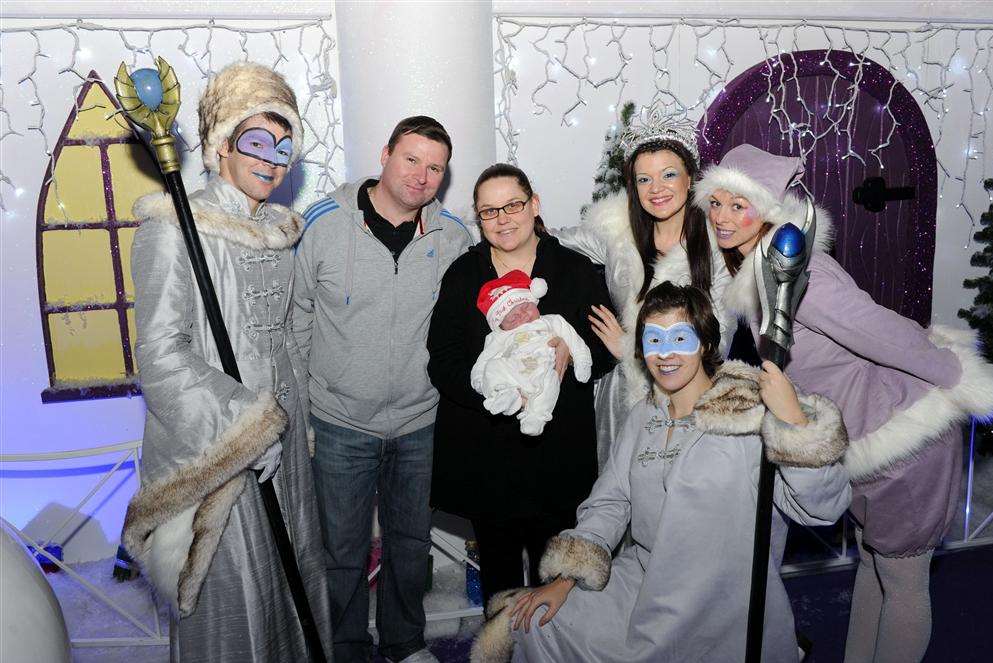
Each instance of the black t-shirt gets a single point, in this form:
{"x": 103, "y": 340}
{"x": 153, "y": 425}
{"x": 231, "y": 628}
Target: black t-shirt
{"x": 394, "y": 238}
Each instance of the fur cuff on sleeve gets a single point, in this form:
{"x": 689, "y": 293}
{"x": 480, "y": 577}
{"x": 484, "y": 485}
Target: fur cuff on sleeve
{"x": 974, "y": 391}
{"x": 494, "y": 643}
{"x": 821, "y": 442}
{"x": 173, "y": 525}
{"x": 580, "y": 559}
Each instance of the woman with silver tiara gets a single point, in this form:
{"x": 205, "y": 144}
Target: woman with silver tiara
{"x": 645, "y": 236}
{"x": 196, "y": 525}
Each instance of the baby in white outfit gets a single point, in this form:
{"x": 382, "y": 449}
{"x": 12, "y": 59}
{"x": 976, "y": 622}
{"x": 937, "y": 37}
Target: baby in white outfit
{"x": 515, "y": 372}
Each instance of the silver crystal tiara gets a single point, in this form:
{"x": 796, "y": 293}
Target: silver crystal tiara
{"x": 656, "y": 126}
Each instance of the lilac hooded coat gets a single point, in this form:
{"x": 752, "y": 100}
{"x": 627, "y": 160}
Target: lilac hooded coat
{"x": 903, "y": 391}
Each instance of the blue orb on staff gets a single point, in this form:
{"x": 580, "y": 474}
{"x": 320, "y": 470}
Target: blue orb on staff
{"x": 148, "y": 86}
{"x": 789, "y": 240}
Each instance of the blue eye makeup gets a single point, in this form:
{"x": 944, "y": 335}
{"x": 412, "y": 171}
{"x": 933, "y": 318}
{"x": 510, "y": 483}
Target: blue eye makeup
{"x": 260, "y": 144}
{"x": 680, "y": 339}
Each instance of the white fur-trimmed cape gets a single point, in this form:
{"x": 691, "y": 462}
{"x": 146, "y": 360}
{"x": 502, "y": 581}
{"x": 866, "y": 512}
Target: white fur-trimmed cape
{"x": 909, "y": 431}
{"x": 214, "y": 221}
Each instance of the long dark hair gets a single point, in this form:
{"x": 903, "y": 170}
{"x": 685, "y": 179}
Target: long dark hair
{"x": 507, "y": 170}
{"x": 694, "y": 220}
{"x": 668, "y": 296}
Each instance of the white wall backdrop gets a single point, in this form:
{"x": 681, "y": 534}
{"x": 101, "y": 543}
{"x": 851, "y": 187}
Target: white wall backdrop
{"x": 561, "y": 78}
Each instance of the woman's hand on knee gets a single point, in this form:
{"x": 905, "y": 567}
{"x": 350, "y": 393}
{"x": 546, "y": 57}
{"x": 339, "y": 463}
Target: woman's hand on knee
{"x": 552, "y": 595}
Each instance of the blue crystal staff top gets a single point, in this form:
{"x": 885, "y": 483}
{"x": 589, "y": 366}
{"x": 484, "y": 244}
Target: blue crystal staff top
{"x": 148, "y": 86}
{"x": 151, "y": 98}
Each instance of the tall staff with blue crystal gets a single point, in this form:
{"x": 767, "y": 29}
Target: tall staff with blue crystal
{"x": 151, "y": 99}
{"x": 781, "y": 276}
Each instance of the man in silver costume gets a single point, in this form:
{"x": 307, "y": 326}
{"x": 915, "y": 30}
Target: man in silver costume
{"x": 197, "y": 525}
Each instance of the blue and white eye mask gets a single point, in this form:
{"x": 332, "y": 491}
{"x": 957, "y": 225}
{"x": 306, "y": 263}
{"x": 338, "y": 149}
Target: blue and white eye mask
{"x": 679, "y": 339}
{"x": 258, "y": 143}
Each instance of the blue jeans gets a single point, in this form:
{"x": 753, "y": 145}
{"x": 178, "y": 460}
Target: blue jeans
{"x": 349, "y": 467}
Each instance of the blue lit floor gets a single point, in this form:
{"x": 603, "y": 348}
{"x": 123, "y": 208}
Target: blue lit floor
{"x": 961, "y": 585}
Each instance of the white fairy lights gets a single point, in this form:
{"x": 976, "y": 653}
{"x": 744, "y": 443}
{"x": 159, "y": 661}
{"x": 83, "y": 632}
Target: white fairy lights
{"x": 303, "y": 52}
{"x": 946, "y": 68}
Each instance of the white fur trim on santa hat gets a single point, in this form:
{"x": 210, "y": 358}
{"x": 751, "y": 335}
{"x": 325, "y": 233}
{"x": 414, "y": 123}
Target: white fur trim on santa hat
{"x": 511, "y": 298}
{"x": 737, "y": 182}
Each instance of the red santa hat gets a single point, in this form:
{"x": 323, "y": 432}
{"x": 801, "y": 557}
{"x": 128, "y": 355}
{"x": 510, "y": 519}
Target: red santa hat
{"x": 498, "y": 296}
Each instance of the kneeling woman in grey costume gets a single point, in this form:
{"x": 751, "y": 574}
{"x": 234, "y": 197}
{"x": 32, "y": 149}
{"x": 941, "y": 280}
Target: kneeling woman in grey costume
{"x": 683, "y": 473}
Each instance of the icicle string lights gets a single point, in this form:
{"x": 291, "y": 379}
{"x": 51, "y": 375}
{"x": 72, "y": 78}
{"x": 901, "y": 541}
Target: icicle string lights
{"x": 306, "y": 48}
{"x": 936, "y": 63}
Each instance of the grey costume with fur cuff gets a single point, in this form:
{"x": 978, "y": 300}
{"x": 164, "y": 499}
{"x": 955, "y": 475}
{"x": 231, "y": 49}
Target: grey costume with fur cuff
{"x": 680, "y": 592}
{"x": 197, "y": 525}
{"x": 605, "y": 237}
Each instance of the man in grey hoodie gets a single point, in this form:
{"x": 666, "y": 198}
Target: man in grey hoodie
{"x": 368, "y": 270}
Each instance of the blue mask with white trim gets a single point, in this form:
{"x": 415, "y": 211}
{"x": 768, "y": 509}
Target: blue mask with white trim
{"x": 680, "y": 339}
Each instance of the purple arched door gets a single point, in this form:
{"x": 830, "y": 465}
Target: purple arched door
{"x": 889, "y": 253}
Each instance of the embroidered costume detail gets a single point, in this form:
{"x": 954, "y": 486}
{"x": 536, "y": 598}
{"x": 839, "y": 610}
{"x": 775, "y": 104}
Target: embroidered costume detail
{"x": 582, "y": 560}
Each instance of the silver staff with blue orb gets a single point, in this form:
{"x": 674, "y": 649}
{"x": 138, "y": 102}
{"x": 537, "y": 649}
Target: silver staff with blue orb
{"x": 781, "y": 273}
{"x": 151, "y": 98}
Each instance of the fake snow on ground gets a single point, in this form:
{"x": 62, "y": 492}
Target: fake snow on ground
{"x": 88, "y": 617}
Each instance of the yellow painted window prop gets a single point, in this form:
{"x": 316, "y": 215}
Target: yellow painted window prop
{"x": 86, "y": 226}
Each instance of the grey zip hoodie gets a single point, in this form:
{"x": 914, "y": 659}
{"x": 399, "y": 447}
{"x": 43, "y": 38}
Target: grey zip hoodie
{"x": 361, "y": 320}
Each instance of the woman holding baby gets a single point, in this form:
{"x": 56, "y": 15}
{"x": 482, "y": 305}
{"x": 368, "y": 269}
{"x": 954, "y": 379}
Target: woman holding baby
{"x": 519, "y": 490}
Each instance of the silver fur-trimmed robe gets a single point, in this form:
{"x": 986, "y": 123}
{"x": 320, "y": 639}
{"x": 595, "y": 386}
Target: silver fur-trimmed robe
{"x": 680, "y": 592}
{"x": 198, "y": 525}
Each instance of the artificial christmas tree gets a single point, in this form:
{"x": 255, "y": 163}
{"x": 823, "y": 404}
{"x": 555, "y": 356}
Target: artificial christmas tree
{"x": 609, "y": 178}
{"x": 980, "y": 314}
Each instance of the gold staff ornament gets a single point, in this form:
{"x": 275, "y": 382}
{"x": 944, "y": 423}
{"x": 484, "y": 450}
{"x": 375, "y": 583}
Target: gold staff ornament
{"x": 150, "y": 98}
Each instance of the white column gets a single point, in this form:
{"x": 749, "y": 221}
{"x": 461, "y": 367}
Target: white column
{"x": 399, "y": 59}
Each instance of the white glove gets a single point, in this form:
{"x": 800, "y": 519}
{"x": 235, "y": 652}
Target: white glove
{"x": 268, "y": 462}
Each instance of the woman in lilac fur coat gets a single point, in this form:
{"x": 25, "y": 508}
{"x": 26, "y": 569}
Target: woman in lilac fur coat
{"x": 903, "y": 391}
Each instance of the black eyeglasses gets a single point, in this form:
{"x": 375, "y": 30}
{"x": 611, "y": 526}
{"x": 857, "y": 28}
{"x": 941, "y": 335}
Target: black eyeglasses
{"x": 513, "y": 207}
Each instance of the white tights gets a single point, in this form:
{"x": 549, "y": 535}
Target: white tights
{"x": 891, "y": 608}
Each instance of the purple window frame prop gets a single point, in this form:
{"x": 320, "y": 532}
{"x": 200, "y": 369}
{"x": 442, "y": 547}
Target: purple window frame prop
{"x": 752, "y": 85}
{"x": 129, "y": 385}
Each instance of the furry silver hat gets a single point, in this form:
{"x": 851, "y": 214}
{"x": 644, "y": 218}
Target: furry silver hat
{"x": 763, "y": 178}
{"x": 240, "y": 91}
